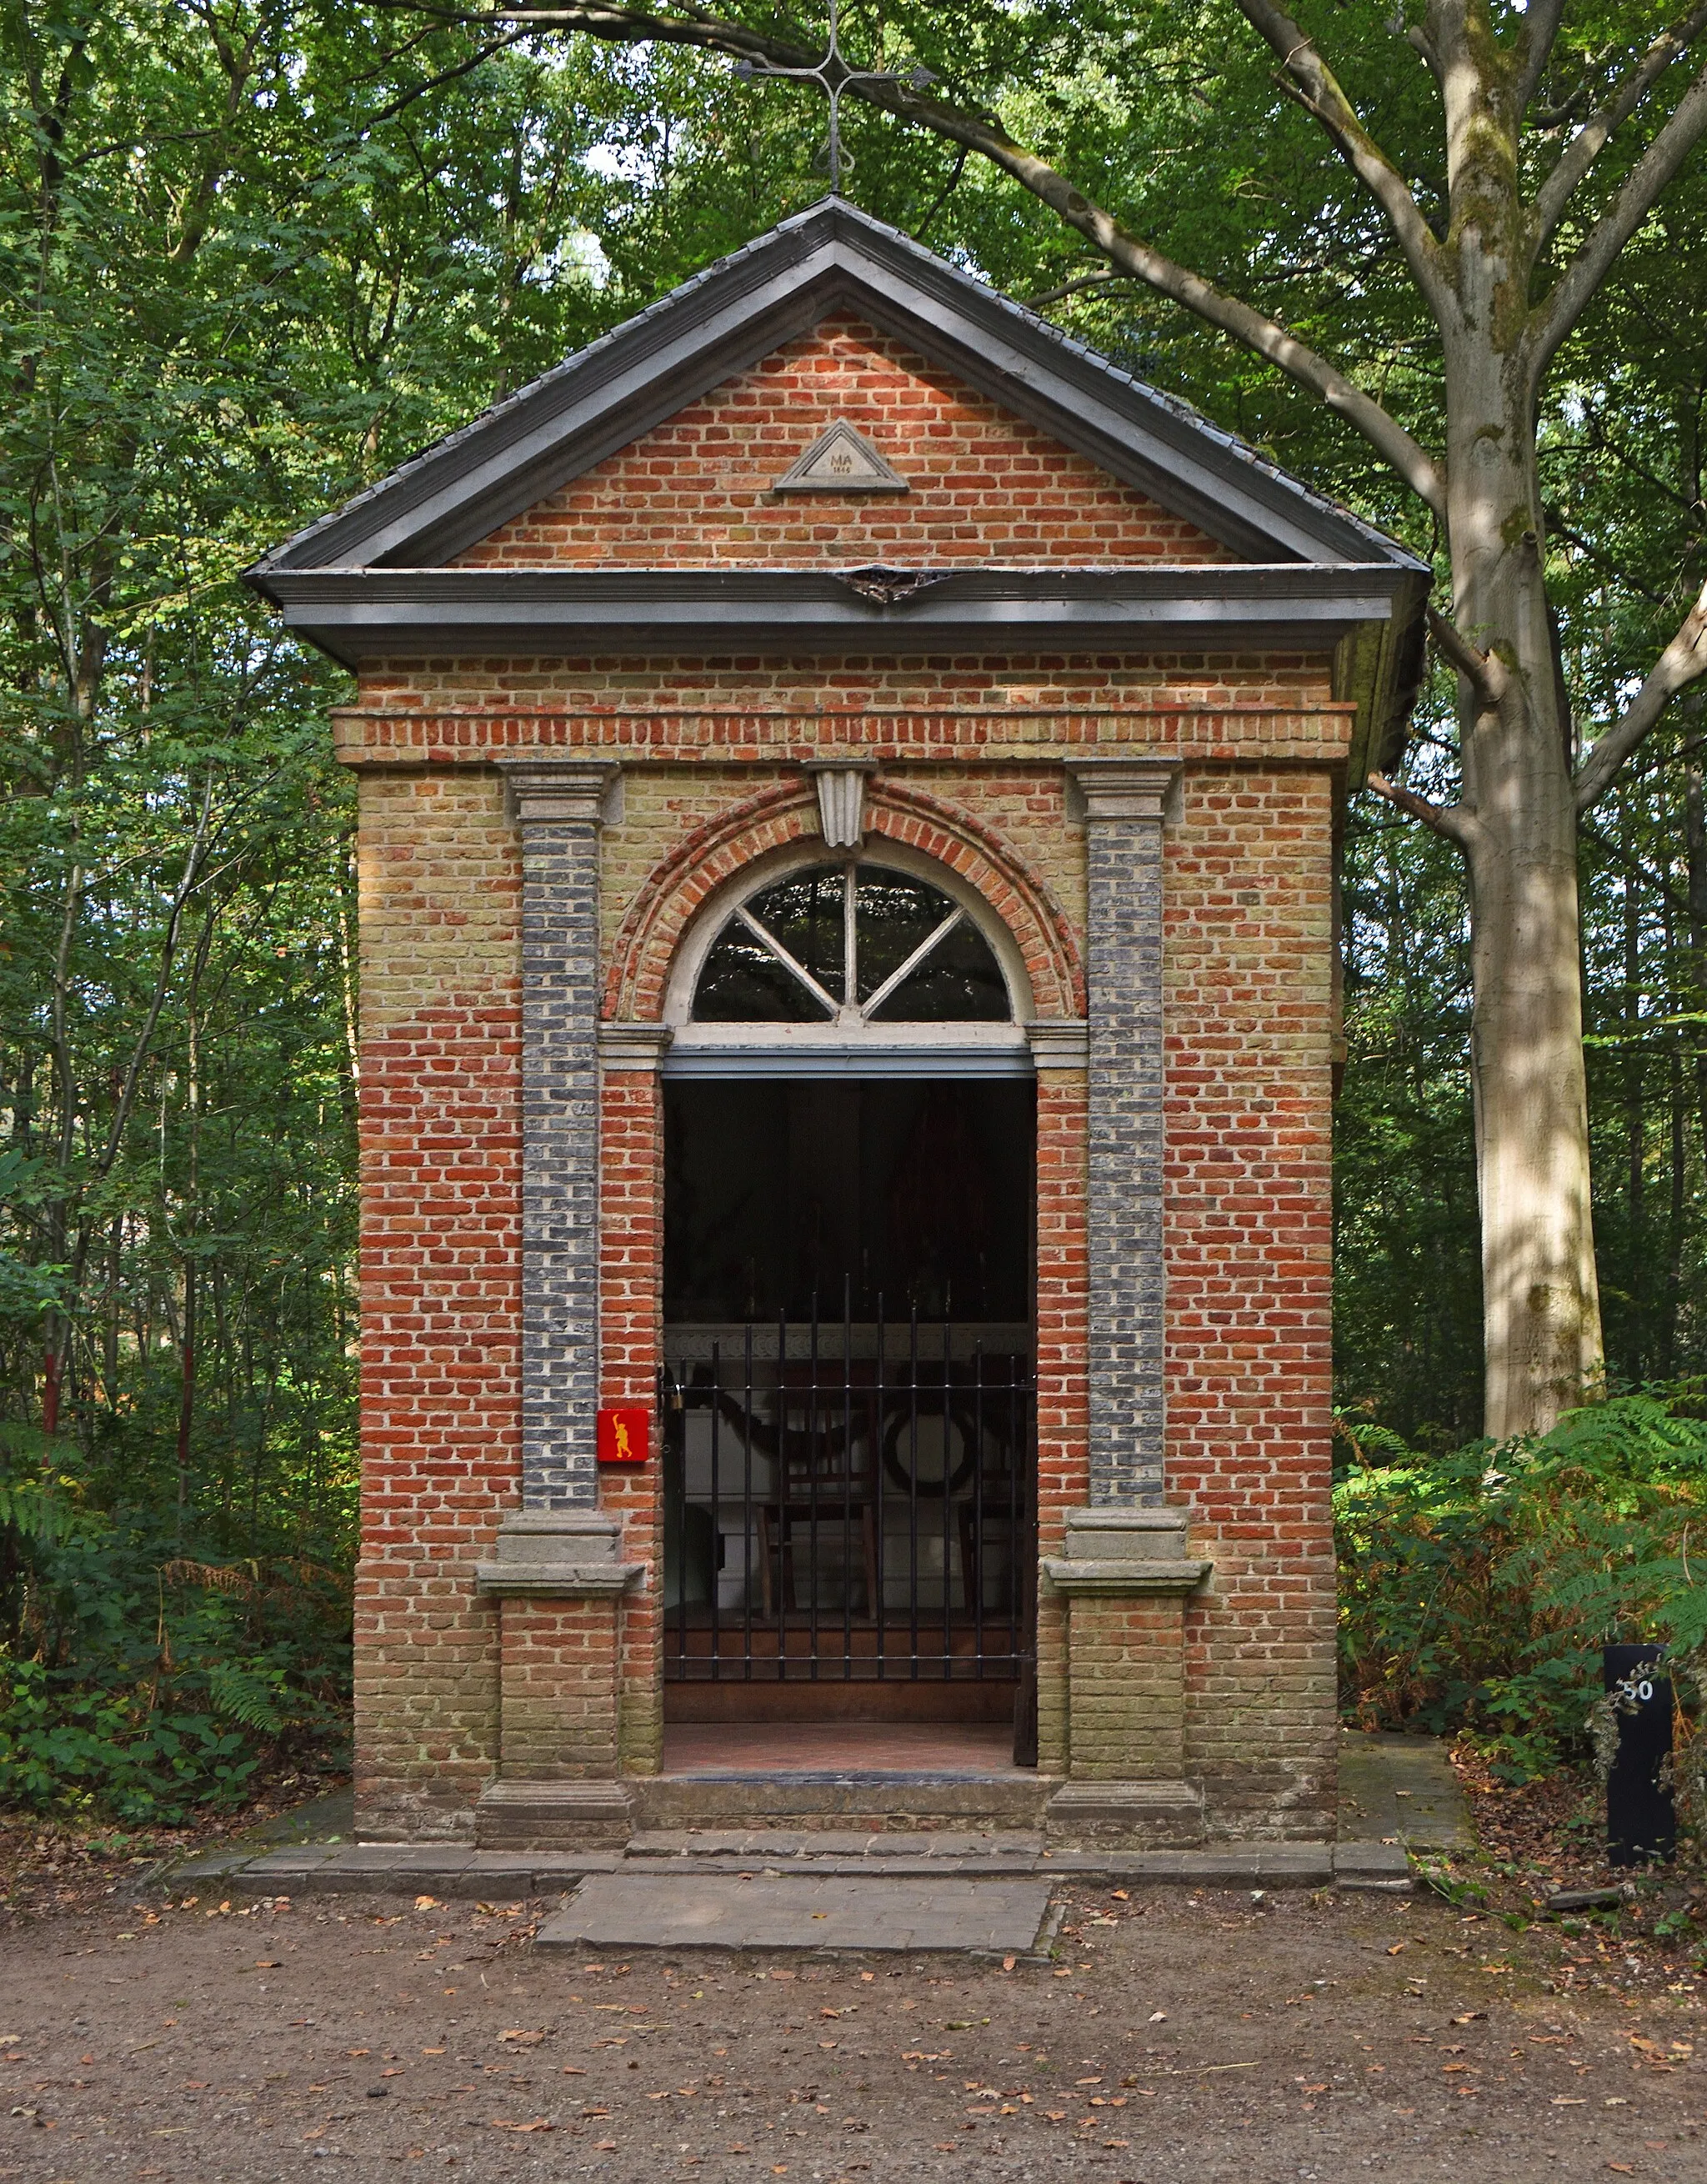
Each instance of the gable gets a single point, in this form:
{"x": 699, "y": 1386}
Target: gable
{"x": 981, "y": 484}
{"x": 598, "y": 507}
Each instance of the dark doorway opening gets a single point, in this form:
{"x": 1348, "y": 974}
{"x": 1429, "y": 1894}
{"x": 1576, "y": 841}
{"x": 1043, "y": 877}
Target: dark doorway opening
{"x": 849, "y": 1460}
{"x": 916, "y": 1191}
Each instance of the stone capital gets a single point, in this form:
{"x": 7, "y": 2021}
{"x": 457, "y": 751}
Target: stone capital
{"x": 1123, "y": 788}
{"x": 546, "y": 791}
{"x": 639, "y": 1047}
{"x": 1059, "y": 1043}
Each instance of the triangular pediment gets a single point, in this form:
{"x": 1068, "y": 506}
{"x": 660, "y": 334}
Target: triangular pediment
{"x": 843, "y": 447}
{"x": 777, "y": 289}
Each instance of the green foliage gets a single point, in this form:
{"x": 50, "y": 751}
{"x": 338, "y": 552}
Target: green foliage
{"x": 1476, "y": 1588}
{"x": 141, "y": 1683}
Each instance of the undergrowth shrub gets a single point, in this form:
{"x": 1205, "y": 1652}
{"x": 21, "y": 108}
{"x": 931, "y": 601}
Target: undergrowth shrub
{"x": 1478, "y": 1588}
{"x": 141, "y": 1683}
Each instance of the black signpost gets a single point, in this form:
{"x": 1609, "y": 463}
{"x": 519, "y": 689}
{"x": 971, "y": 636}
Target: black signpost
{"x": 1641, "y": 1825}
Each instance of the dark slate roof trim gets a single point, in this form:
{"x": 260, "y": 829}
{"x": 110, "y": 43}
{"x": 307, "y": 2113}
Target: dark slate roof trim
{"x": 357, "y": 614}
{"x": 779, "y": 286}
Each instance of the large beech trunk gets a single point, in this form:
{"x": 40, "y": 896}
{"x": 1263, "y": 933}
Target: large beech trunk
{"x": 1540, "y": 1299}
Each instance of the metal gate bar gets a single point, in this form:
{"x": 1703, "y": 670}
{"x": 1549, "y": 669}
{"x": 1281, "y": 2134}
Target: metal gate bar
{"x": 831, "y": 1465}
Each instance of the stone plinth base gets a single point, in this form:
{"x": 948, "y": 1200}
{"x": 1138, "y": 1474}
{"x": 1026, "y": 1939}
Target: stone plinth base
{"x": 558, "y": 1580}
{"x": 1129, "y": 1815}
{"x": 1125, "y": 1577}
{"x": 552, "y": 1816}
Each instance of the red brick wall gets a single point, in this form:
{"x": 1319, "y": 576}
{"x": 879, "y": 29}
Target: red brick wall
{"x": 440, "y": 1153}
{"x": 1063, "y": 1303}
{"x": 1249, "y": 1238}
{"x": 630, "y": 1267}
{"x": 984, "y": 485}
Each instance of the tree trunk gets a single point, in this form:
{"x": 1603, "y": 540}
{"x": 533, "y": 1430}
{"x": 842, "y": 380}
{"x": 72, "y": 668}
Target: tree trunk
{"x": 1541, "y": 1303}
{"x": 1634, "y": 1364}
{"x": 186, "y": 1394}
{"x": 1695, "y": 846}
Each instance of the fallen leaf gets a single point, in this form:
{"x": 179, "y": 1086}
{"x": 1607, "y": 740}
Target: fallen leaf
{"x": 1541, "y": 2039}
{"x": 1159, "y": 2017}
{"x": 539, "y": 2123}
{"x": 1568, "y": 2101}
{"x": 426, "y": 1903}
{"x": 522, "y": 2039}
{"x": 1624, "y": 2168}
{"x": 1397, "y": 1946}
{"x": 573, "y": 2071}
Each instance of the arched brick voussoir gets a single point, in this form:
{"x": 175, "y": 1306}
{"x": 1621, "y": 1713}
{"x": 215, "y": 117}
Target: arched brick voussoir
{"x": 718, "y": 849}
{"x": 1017, "y": 894}
{"x": 673, "y": 891}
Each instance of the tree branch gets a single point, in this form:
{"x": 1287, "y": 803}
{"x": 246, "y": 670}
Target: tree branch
{"x": 145, "y": 1038}
{"x": 1450, "y": 820}
{"x": 1060, "y": 294}
{"x": 984, "y": 134}
{"x": 1317, "y": 90}
{"x": 1577, "y": 286}
{"x": 1586, "y": 147}
{"x": 1541, "y": 28}
{"x": 1682, "y": 662}
{"x": 1482, "y": 671}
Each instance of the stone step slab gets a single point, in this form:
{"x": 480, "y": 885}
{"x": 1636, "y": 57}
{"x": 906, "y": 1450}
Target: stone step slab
{"x": 663, "y": 1909}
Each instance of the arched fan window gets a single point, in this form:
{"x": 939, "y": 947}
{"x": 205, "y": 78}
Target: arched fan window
{"x": 851, "y": 944}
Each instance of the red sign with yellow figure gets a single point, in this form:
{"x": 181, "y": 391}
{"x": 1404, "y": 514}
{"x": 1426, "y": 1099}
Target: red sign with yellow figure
{"x": 624, "y": 1435}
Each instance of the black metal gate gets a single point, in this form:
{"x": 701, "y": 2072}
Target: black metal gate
{"x": 854, "y": 1501}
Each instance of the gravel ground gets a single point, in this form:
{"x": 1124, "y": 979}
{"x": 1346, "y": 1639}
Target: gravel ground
{"x": 1173, "y": 2037}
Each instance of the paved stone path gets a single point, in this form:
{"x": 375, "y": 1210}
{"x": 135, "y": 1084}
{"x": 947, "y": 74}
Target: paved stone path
{"x": 1401, "y": 1788}
{"x": 666, "y": 1910}
{"x": 1397, "y": 1794}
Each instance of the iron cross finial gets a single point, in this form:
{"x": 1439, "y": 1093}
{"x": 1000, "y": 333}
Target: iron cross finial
{"x": 833, "y": 74}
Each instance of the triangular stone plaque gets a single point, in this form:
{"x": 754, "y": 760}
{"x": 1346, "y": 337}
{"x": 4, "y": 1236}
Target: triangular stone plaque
{"x": 842, "y": 462}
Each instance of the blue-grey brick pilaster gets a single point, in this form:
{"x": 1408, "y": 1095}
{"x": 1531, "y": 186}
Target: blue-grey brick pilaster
{"x": 557, "y": 806}
{"x": 1123, "y": 830}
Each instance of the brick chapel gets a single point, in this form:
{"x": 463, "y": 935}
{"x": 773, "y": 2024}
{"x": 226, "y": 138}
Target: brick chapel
{"x": 847, "y": 797}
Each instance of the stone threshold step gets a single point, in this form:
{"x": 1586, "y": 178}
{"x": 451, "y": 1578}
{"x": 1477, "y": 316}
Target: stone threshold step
{"x": 453, "y": 1871}
{"x": 772, "y": 1843}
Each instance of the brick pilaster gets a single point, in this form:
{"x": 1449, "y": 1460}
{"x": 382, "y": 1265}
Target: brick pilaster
{"x": 556, "y": 804}
{"x": 1123, "y": 951}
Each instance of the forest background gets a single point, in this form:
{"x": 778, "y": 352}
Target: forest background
{"x": 252, "y": 253}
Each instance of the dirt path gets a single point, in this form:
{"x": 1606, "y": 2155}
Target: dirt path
{"x": 1174, "y": 2040}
